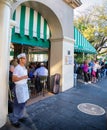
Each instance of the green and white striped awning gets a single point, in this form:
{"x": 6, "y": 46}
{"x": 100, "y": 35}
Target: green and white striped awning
{"x": 81, "y": 43}
{"x": 31, "y": 29}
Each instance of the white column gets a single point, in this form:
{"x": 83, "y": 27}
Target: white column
{"x": 68, "y": 63}
{"x": 4, "y": 55}
{"x": 62, "y": 61}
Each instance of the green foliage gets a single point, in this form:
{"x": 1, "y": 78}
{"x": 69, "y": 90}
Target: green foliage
{"x": 93, "y": 25}
{"x": 79, "y": 58}
{"x": 89, "y": 33}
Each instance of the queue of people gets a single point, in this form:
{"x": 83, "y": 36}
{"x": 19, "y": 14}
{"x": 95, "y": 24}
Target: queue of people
{"x": 92, "y": 71}
{"x": 18, "y": 84}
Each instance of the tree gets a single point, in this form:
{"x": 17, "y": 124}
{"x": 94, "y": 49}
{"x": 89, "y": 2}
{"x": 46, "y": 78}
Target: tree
{"x": 93, "y": 25}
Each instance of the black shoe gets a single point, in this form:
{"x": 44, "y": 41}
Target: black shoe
{"x": 23, "y": 119}
{"x": 17, "y": 124}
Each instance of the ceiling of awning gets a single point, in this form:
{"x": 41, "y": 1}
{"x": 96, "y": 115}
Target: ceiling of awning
{"x": 31, "y": 50}
{"x": 81, "y": 43}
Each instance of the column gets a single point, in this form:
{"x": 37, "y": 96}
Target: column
{"x": 62, "y": 61}
{"x": 68, "y": 63}
{"x": 4, "y": 59}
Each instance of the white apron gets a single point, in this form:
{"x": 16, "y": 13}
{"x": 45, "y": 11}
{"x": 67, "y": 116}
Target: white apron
{"x": 22, "y": 93}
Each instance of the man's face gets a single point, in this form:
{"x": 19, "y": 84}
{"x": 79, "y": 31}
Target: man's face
{"x": 23, "y": 60}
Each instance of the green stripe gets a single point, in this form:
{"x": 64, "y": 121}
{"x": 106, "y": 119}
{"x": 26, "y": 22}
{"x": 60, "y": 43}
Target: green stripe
{"x": 82, "y": 45}
{"x": 12, "y": 53}
{"x": 22, "y": 21}
{"x": 75, "y": 36}
{"x": 38, "y": 25}
{"x": 14, "y": 15}
{"x": 30, "y": 40}
{"x": 45, "y": 30}
{"x": 31, "y": 23}
{"x": 41, "y": 52}
{"x": 25, "y": 40}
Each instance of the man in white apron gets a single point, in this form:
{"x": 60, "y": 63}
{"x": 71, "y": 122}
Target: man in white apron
{"x": 21, "y": 91}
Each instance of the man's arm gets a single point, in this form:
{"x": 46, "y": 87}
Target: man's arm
{"x": 15, "y": 78}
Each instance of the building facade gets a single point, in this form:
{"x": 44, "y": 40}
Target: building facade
{"x": 58, "y": 15}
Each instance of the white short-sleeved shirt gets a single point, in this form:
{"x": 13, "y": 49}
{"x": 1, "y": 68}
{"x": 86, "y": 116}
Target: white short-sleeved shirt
{"x": 20, "y": 71}
{"x": 42, "y": 71}
{"x": 96, "y": 66}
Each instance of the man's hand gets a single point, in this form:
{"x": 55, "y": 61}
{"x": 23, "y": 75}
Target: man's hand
{"x": 25, "y": 77}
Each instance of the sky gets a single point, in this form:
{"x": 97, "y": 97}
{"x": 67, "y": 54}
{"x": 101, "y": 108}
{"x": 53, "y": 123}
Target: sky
{"x": 86, "y": 4}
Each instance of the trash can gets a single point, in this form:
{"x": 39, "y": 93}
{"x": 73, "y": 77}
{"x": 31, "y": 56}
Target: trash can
{"x": 55, "y": 83}
{"x": 75, "y": 79}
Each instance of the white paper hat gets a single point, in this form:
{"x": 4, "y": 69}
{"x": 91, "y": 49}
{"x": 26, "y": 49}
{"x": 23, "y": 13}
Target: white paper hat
{"x": 21, "y": 55}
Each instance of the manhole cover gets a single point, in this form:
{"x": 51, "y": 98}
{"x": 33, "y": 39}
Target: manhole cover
{"x": 91, "y": 109}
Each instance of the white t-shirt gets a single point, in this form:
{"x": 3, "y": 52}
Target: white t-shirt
{"x": 42, "y": 71}
{"x": 96, "y": 66}
{"x": 20, "y": 71}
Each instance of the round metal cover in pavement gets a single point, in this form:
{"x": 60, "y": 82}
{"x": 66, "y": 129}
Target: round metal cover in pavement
{"x": 91, "y": 109}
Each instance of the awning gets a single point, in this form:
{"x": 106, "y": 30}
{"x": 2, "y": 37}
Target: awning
{"x": 81, "y": 43}
{"x": 31, "y": 29}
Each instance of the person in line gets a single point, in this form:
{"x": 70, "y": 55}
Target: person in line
{"x": 105, "y": 68}
{"x": 102, "y": 64}
{"x": 20, "y": 77}
{"x": 85, "y": 71}
{"x": 96, "y": 67}
{"x": 89, "y": 73}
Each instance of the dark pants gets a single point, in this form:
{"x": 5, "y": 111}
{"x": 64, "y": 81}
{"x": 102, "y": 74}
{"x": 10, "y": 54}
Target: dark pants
{"x": 89, "y": 77}
{"x": 18, "y": 111}
{"x": 38, "y": 85}
{"x": 86, "y": 78}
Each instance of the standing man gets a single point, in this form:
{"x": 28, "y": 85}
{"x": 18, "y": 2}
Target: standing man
{"x": 21, "y": 91}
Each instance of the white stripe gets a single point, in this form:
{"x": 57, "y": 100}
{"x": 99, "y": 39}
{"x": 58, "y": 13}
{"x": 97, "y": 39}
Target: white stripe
{"x": 48, "y": 32}
{"x": 35, "y": 24}
{"x": 42, "y": 28}
{"x": 27, "y": 16}
{"x": 17, "y": 19}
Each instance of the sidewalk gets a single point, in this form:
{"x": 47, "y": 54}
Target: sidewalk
{"x": 60, "y": 112}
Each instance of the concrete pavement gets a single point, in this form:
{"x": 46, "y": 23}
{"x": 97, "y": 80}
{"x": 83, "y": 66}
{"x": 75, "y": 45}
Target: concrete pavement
{"x": 60, "y": 112}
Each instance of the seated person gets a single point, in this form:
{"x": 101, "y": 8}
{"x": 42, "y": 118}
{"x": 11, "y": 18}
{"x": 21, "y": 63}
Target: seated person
{"x": 39, "y": 73}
